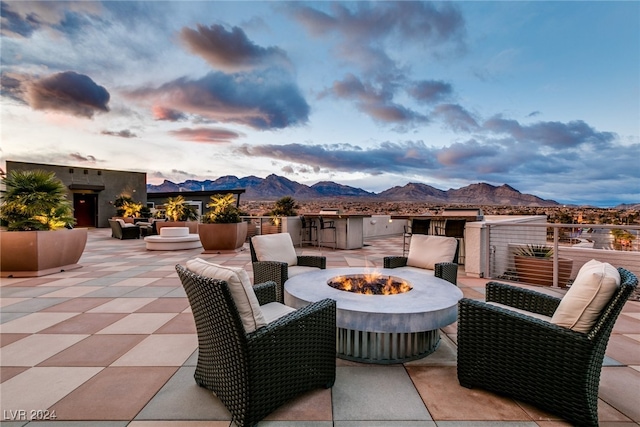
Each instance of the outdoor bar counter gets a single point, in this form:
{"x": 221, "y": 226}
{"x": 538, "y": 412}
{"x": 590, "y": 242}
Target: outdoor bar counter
{"x": 349, "y": 229}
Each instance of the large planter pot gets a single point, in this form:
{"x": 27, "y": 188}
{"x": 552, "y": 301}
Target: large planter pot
{"x": 216, "y": 238}
{"x": 38, "y": 253}
{"x": 539, "y": 271}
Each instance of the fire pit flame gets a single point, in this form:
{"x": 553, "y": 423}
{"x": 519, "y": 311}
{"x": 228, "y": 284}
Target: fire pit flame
{"x": 370, "y": 284}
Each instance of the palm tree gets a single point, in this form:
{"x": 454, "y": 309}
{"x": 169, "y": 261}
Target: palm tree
{"x": 35, "y": 200}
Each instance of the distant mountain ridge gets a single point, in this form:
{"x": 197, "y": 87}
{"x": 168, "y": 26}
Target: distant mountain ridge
{"x": 273, "y": 187}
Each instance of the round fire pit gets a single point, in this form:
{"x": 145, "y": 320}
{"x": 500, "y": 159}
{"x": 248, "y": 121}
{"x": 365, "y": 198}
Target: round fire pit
{"x": 382, "y": 328}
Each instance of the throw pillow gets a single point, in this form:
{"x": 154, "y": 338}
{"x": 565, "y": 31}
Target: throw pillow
{"x": 275, "y": 247}
{"x": 425, "y": 251}
{"x": 590, "y": 292}
{"x": 240, "y": 288}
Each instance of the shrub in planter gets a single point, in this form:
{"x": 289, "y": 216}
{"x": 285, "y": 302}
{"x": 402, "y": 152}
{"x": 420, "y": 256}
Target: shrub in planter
{"x": 39, "y": 239}
{"x": 222, "y": 228}
{"x": 534, "y": 265}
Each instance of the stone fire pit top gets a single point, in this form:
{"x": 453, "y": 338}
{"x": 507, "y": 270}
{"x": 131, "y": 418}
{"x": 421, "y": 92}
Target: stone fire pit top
{"x": 431, "y": 304}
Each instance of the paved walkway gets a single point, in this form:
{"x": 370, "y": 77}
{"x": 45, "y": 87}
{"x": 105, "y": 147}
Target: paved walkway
{"x": 113, "y": 344}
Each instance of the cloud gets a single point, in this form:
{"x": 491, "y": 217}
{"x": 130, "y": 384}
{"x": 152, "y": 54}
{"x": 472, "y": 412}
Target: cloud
{"x": 556, "y": 135}
{"x": 77, "y": 157}
{"x": 376, "y": 102}
{"x": 387, "y": 157}
{"x": 207, "y": 135}
{"x": 456, "y": 117}
{"x": 231, "y": 51}
{"x": 370, "y": 26}
{"x": 168, "y": 114}
{"x": 23, "y": 18}
{"x": 430, "y": 91}
{"x": 66, "y": 92}
{"x": 125, "y": 133}
{"x": 261, "y": 100}
{"x": 369, "y": 36}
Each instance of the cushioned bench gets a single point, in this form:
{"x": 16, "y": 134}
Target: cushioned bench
{"x": 171, "y": 239}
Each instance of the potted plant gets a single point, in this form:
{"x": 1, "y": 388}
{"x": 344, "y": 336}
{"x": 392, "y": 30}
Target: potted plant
{"x": 40, "y": 238}
{"x": 283, "y": 207}
{"x": 222, "y": 229}
{"x": 534, "y": 265}
{"x": 179, "y": 214}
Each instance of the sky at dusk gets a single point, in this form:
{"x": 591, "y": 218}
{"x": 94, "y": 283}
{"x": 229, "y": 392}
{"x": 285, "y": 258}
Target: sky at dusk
{"x": 543, "y": 96}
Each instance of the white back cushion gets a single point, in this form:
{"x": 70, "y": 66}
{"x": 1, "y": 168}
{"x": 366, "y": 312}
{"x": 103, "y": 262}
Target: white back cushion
{"x": 425, "y": 251}
{"x": 592, "y": 289}
{"x": 275, "y": 247}
{"x": 240, "y": 287}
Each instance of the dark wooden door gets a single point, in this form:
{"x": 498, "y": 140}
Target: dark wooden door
{"x": 85, "y": 209}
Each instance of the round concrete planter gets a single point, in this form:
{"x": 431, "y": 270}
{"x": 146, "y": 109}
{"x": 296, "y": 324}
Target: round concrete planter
{"x": 38, "y": 253}
{"x": 539, "y": 271}
{"x": 216, "y": 238}
{"x": 191, "y": 225}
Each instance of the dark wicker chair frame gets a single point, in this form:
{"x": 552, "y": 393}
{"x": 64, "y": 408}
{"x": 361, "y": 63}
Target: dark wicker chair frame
{"x": 551, "y": 367}
{"x": 443, "y": 270}
{"x": 265, "y": 271}
{"x": 121, "y": 233}
{"x": 253, "y": 374}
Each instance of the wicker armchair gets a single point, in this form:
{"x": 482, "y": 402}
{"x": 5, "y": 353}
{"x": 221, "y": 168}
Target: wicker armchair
{"x": 253, "y": 374}
{"x": 119, "y": 232}
{"x": 443, "y": 270}
{"x": 552, "y": 367}
{"x": 265, "y": 271}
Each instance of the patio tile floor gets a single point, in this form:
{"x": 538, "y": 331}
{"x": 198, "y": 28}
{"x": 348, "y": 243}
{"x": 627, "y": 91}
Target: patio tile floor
{"x": 113, "y": 344}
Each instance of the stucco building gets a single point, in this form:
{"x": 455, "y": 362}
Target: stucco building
{"x": 92, "y": 191}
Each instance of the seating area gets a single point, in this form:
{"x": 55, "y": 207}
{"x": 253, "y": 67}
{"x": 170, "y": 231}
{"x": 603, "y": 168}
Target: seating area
{"x": 118, "y": 340}
{"x": 172, "y": 239}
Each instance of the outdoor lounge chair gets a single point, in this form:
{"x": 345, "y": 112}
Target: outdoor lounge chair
{"x": 121, "y": 231}
{"x": 522, "y": 355}
{"x": 253, "y": 373}
{"x": 274, "y": 259}
{"x": 427, "y": 252}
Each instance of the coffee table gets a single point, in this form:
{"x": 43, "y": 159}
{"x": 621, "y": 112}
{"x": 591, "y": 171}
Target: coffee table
{"x": 382, "y": 328}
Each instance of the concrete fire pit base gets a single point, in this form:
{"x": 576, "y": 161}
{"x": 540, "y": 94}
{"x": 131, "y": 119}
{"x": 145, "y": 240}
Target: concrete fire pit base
{"x": 382, "y": 328}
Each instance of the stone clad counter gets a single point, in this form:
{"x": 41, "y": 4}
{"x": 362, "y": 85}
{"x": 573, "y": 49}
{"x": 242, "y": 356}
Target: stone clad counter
{"x": 349, "y": 230}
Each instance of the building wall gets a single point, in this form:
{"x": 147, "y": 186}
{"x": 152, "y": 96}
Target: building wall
{"x": 106, "y": 184}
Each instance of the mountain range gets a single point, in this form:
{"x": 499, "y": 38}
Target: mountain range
{"x": 274, "y": 187}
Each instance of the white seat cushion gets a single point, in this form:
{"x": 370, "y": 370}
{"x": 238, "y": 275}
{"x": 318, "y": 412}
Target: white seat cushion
{"x": 275, "y": 247}
{"x": 300, "y": 269}
{"x": 425, "y": 251}
{"x": 590, "y": 292}
{"x": 274, "y": 310}
{"x": 174, "y": 231}
{"x": 240, "y": 287}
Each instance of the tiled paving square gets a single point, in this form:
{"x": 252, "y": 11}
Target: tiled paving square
{"x": 34, "y": 349}
{"x": 183, "y": 323}
{"x": 32, "y": 305}
{"x": 122, "y": 305}
{"x": 34, "y": 322}
{"x": 182, "y": 399}
{"x": 314, "y": 405}
{"x": 160, "y": 350}
{"x": 77, "y": 305}
{"x": 164, "y": 305}
{"x": 84, "y": 323}
{"x": 96, "y": 350}
{"x": 620, "y": 388}
{"x": 27, "y": 390}
{"x": 138, "y": 323}
{"x": 363, "y": 393}
{"x": 128, "y": 390}
{"x": 446, "y": 399}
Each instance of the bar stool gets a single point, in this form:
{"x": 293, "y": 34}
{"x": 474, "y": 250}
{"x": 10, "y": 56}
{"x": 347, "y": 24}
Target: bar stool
{"x": 306, "y": 229}
{"x": 327, "y": 225}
